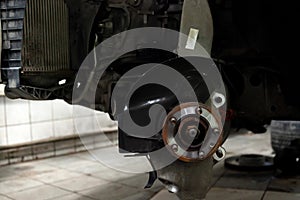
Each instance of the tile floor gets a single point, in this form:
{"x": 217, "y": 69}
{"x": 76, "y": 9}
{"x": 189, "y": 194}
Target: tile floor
{"x": 79, "y": 176}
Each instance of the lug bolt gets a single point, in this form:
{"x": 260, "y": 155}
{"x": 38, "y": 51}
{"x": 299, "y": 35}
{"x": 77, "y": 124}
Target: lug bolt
{"x": 201, "y": 155}
{"x": 199, "y": 110}
{"x": 175, "y": 147}
{"x": 173, "y": 120}
{"x": 216, "y": 131}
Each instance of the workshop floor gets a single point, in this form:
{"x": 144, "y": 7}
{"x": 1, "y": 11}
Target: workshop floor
{"x": 79, "y": 176}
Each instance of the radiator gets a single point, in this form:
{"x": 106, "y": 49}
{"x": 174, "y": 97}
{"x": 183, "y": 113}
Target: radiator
{"x": 45, "y": 36}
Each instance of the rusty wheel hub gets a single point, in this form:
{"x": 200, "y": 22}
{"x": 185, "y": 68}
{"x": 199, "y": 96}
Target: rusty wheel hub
{"x": 192, "y": 132}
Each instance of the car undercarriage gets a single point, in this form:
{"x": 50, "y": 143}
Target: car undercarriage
{"x": 252, "y": 44}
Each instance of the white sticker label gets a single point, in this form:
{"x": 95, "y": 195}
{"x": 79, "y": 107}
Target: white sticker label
{"x": 1, "y": 90}
{"x": 192, "y": 39}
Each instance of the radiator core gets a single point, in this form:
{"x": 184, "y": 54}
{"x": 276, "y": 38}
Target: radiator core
{"x": 46, "y": 36}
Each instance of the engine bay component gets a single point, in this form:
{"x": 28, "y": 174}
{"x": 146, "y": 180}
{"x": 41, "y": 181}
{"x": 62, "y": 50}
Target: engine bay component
{"x": 220, "y": 154}
{"x": 45, "y": 49}
{"x": 12, "y": 15}
{"x": 192, "y": 132}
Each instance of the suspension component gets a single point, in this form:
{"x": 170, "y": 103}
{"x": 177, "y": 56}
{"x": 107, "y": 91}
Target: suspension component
{"x": 192, "y": 132}
{"x": 220, "y": 154}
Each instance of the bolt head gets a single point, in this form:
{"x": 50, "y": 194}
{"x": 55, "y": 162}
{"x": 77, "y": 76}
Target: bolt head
{"x": 201, "y": 155}
{"x": 216, "y": 131}
{"x": 173, "y": 120}
{"x": 175, "y": 147}
{"x": 199, "y": 110}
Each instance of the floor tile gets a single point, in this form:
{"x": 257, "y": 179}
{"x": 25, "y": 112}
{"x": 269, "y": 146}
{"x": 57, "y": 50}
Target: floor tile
{"x": 281, "y": 196}
{"x": 86, "y": 167}
{"x": 139, "y": 182}
{"x": 55, "y": 176}
{"x": 291, "y": 184}
{"x": 70, "y": 163}
{"x": 80, "y": 176}
{"x": 31, "y": 169}
{"x": 39, "y": 193}
{"x": 6, "y": 173}
{"x": 72, "y": 197}
{"x": 86, "y": 156}
{"x": 113, "y": 175}
{"x": 233, "y": 194}
{"x": 244, "y": 180}
{"x": 115, "y": 160}
{"x": 15, "y": 185}
{"x": 140, "y": 196}
{"x": 80, "y": 183}
{"x": 2, "y": 197}
{"x": 165, "y": 195}
{"x": 112, "y": 191}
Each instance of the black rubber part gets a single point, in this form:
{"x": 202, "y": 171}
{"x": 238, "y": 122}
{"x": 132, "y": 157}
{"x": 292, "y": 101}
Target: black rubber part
{"x": 283, "y": 133}
{"x": 250, "y": 162}
{"x": 285, "y": 136}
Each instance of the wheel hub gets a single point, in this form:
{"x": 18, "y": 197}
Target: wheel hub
{"x": 192, "y": 132}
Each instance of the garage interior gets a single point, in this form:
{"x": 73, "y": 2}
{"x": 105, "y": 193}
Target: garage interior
{"x": 204, "y": 131}
{"x": 41, "y": 159}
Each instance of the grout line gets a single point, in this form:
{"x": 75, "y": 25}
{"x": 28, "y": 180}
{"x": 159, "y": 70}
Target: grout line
{"x": 30, "y": 120}
{"x": 42, "y": 121}
{"x": 24, "y": 189}
{"x": 53, "y": 124}
{"x": 4, "y": 195}
{"x": 67, "y": 190}
{"x": 79, "y": 194}
{"x": 30, "y": 127}
{"x": 266, "y": 190}
{"x": 6, "y": 131}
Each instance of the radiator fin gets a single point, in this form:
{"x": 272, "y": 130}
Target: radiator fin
{"x": 46, "y": 36}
